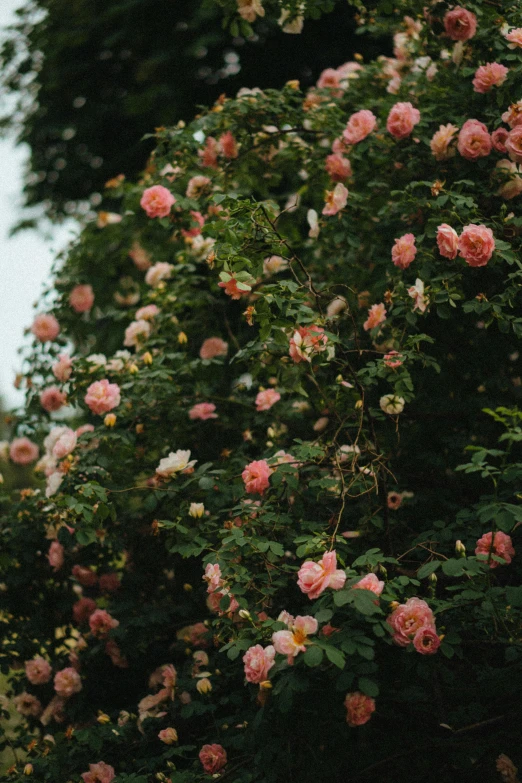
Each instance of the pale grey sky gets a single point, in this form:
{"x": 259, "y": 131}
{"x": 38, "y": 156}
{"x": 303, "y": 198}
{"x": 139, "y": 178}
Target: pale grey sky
{"x": 25, "y": 260}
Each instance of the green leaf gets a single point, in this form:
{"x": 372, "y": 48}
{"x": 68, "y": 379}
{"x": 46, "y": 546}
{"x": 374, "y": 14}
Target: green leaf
{"x": 428, "y": 568}
{"x": 313, "y": 656}
{"x": 335, "y": 656}
{"x": 369, "y": 687}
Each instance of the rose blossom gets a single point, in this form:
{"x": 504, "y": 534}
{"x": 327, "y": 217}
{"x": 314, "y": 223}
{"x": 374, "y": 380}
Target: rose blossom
{"x": 460, "y": 24}
{"x": 168, "y": 736}
{"x": 23, "y": 451}
{"x": 228, "y": 144}
{"x": 45, "y": 327}
{"x": 63, "y": 367}
{"x": 140, "y": 256}
{"x": 55, "y": 555}
{"x": 441, "y": 140}
{"x": 513, "y": 116}
{"x": 109, "y": 582}
{"x": 67, "y": 682}
{"x": 256, "y": 475}
{"x": 314, "y": 578}
{"x": 489, "y": 76}
{"x": 136, "y": 332}
{"x": 394, "y": 500}
{"x": 402, "y": 119}
{"x": 476, "y": 245}
{"x": 330, "y": 79}
{"x": 392, "y": 404}
{"x": 369, "y": 582}
{"x": 359, "y": 126}
{"x": 474, "y": 140}
{"x": 52, "y": 399}
{"x": 293, "y": 641}
{"x": 84, "y": 575}
{"x": 83, "y": 609}
{"x": 101, "y": 622}
{"x": 404, "y": 251}
{"x": 212, "y": 347}
{"x": 498, "y": 139}
{"x": 147, "y": 313}
{"x": 514, "y": 144}
{"x": 274, "y": 264}
{"x": 513, "y": 186}
{"x": 81, "y": 298}
{"x": 408, "y": 618}
{"x": 338, "y": 168}
{"x": 197, "y": 186}
{"x": 417, "y": 294}
{"x": 102, "y": 396}
{"x": 157, "y": 273}
{"x": 157, "y": 201}
{"x": 393, "y": 359}
{"x": 65, "y": 444}
{"x": 99, "y": 773}
{"x": 499, "y": 545}
{"x": 84, "y": 428}
{"x": 376, "y": 317}
{"x": 213, "y": 758}
{"x": 306, "y": 341}
{"x": 176, "y": 462}
{"x": 359, "y": 708}
{"x": 209, "y": 154}
{"x": 38, "y": 671}
{"x": 258, "y": 662}
{"x": 212, "y": 577}
{"x": 232, "y": 288}
{"x": 514, "y": 37}
{"x": 27, "y": 705}
{"x": 203, "y": 411}
{"x": 266, "y": 398}
{"x": 447, "y": 241}
{"x": 335, "y": 199}
{"x": 426, "y": 641}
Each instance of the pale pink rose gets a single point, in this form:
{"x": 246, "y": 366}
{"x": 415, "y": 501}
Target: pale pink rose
{"x": 314, "y": 578}
{"x": 157, "y": 201}
{"x": 335, "y": 199}
{"x": 266, "y": 398}
{"x": 513, "y": 186}
{"x": 83, "y": 609}
{"x": 408, "y": 618}
{"x": 359, "y": 708}
{"x": 393, "y": 359}
{"x": 147, "y": 313}
{"x": 38, "y": 671}
{"x": 45, "y": 327}
{"x": 338, "y": 168}
{"x": 359, "y": 126}
{"x": 232, "y": 290}
{"x": 420, "y": 300}
{"x": 306, "y": 341}
{"x": 514, "y": 144}
{"x": 249, "y": 10}
{"x": 426, "y": 641}
{"x": 140, "y": 257}
{"x": 101, "y": 622}
{"x": 447, "y": 241}
{"x": 27, "y": 705}
{"x": 499, "y": 545}
{"x": 258, "y": 662}
{"x": 404, "y": 251}
{"x": 81, "y": 298}
{"x": 498, "y": 139}
{"x": 228, "y": 145}
{"x": 402, "y": 119}
{"x": 441, "y": 140}
{"x": 203, "y": 411}
{"x": 84, "y": 428}
{"x": 84, "y": 575}
{"x": 514, "y": 37}
{"x": 213, "y": 758}
{"x": 330, "y": 79}
{"x": 160, "y": 271}
{"x": 52, "y": 399}
{"x": 376, "y": 317}
{"x": 209, "y": 154}
{"x": 474, "y": 140}
{"x": 99, "y": 773}
{"x": 212, "y": 347}
{"x": 513, "y": 116}
{"x": 489, "y": 76}
{"x": 65, "y": 444}
{"x": 55, "y": 555}
{"x": 476, "y": 245}
{"x": 256, "y": 476}
{"x": 63, "y": 367}
{"x": 460, "y": 24}
{"x": 136, "y": 332}
{"x": 197, "y": 186}
{"x": 293, "y": 641}
{"x": 212, "y": 577}
{"x": 67, "y": 682}
{"x": 369, "y": 582}
{"x": 168, "y": 736}
{"x": 102, "y": 396}
{"x": 340, "y": 147}
{"x": 23, "y": 451}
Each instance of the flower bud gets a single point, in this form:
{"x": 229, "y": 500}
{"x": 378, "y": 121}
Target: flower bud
{"x": 245, "y": 614}
{"x": 204, "y": 685}
{"x": 28, "y": 769}
{"x": 133, "y": 369}
{"x": 103, "y": 718}
{"x": 187, "y": 588}
{"x": 182, "y": 338}
{"x": 147, "y": 357}
{"x": 432, "y": 578}
{"x": 110, "y": 420}
{"x": 168, "y": 736}
{"x": 460, "y": 549}
{"x": 196, "y": 510}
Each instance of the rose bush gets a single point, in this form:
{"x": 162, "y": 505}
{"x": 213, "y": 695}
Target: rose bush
{"x": 278, "y": 540}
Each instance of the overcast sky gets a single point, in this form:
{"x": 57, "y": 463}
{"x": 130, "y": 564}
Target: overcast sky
{"x": 25, "y": 260}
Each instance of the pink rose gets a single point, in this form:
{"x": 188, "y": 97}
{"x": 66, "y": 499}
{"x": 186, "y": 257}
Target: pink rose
{"x": 306, "y": 341}
{"x": 81, "y": 298}
{"x": 157, "y": 201}
{"x": 85, "y": 576}
{"x": 160, "y": 271}
{"x": 369, "y": 582}
{"x": 136, "y": 332}
{"x": 266, "y": 398}
{"x": 489, "y": 76}
{"x": 168, "y": 736}
{"x": 102, "y": 396}
{"x": 476, "y": 245}
{"x": 228, "y": 145}
{"x": 393, "y": 359}
{"x": 447, "y": 241}
{"x": 335, "y": 199}
{"x": 147, "y": 313}
{"x": 514, "y": 37}
{"x": 256, "y": 476}
{"x": 84, "y": 428}
{"x": 209, "y": 154}
{"x": 404, "y": 251}
{"x": 514, "y": 144}
{"x": 293, "y": 641}
{"x": 258, "y": 662}
{"x": 52, "y": 399}
{"x": 376, "y": 317}
{"x": 498, "y": 139}
{"x": 359, "y": 708}
{"x": 499, "y": 545}
{"x": 83, "y": 609}
{"x": 45, "y": 327}
{"x": 65, "y": 444}
{"x": 63, "y": 367}
{"x": 402, "y": 119}
{"x": 203, "y": 411}
{"x": 440, "y": 143}
{"x": 408, "y": 618}
{"x": 140, "y": 257}
{"x": 232, "y": 290}
{"x": 67, "y": 682}
{"x": 330, "y": 79}
{"x": 212, "y": 577}
{"x": 213, "y": 758}
{"x": 110, "y": 582}
{"x": 394, "y": 500}
{"x": 38, "y": 671}
{"x": 212, "y": 347}
{"x": 314, "y": 578}
{"x": 460, "y": 24}
{"x": 359, "y": 126}
{"x": 99, "y": 773}
{"x": 197, "y": 186}
{"x": 338, "y": 168}
{"x": 101, "y": 622}
{"x": 474, "y": 140}
{"x": 27, "y": 705}
{"x": 513, "y": 116}
{"x": 426, "y": 641}
{"x": 23, "y": 451}
{"x": 512, "y": 187}
{"x": 55, "y": 555}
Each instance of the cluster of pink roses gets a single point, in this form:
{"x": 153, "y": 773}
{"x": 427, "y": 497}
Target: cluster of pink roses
{"x": 414, "y": 622}
{"x": 218, "y": 589}
{"x": 475, "y": 244}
